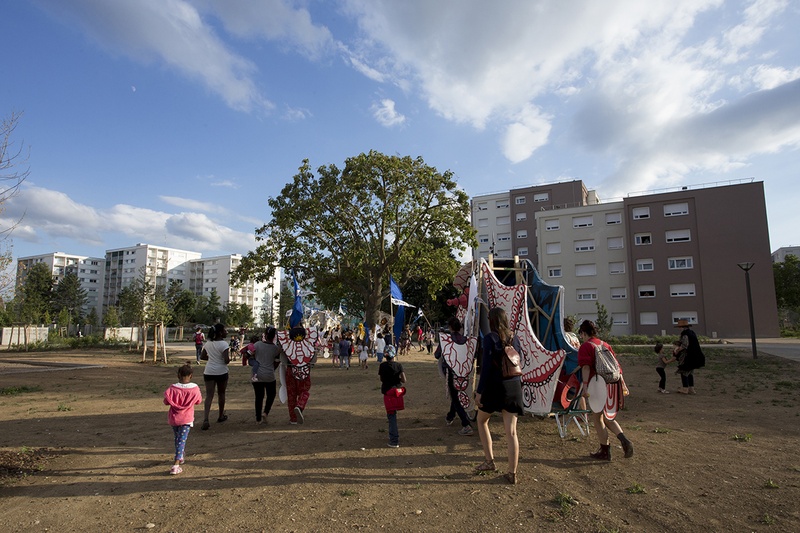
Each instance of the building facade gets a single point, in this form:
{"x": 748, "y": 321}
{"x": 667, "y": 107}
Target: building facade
{"x": 779, "y": 255}
{"x": 89, "y": 271}
{"x": 654, "y": 258}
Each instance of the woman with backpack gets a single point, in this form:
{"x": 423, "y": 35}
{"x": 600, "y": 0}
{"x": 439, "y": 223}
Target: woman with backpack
{"x": 605, "y": 419}
{"x": 498, "y": 394}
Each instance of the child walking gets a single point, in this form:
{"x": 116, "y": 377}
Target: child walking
{"x": 392, "y": 377}
{"x": 662, "y": 363}
{"x": 363, "y": 355}
{"x": 181, "y": 398}
{"x": 249, "y": 357}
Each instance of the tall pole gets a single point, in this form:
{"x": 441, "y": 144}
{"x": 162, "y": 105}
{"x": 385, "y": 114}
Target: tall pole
{"x": 746, "y": 267}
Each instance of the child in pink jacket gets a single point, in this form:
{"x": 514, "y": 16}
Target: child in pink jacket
{"x": 181, "y": 398}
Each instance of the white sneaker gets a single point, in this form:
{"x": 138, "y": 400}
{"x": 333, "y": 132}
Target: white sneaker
{"x": 393, "y": 445}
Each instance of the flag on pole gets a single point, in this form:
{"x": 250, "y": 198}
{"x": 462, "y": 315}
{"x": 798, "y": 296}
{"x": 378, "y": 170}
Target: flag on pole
{"x": 397, "y": 296}
{"x": 297, "y": 308}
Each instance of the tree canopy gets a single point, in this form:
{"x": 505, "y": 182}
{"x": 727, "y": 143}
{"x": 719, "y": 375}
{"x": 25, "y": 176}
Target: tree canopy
{"x": 346, "y": 231}
{"x": 787, "y": 282}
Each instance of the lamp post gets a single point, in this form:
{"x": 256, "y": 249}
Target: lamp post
{"x": 746, "y": 267}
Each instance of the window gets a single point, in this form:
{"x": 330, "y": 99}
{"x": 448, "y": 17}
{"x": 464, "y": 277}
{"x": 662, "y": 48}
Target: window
{"x": 519, "y": 200}
{"x": 676, "y": 210}
{"x": 647, "y": 291}
{"x": 587, "y": 294}
{"x": 689, "y": 316}
{"x": 619, "y": 293}
{"x": 681, "y": 289}
{"x": 613, "y": 218}
{"x": 503, "y": 237}
{"x": 503, "y": 221}
{"x": 554, "y": 272}
{"x": 619, "y": 319}
{"x": 644, "y": 265}
{"x": 648, "y": 319}
{"x": 519, "y": 217}
{"x": 522, "y": 250}
{"x": 616, "y": 268}
{"x": 615, "y": 243}
{"x": 501, "y": 204}
{"x": 553, "y": 248}
{"x": 483, "y": 239}
{"x": 483, "y": 206}
{"x": 586, "y": 270}
{"x": 643, "y": 239}
{"x": 483, "y": 222}
{"x": 679, "y": 235}
{"x": 584, "y": 246}
{"x": 541, "y": 197}
{"x": 680, "y": 263}
{"x": 640, "y": 213}
{"x": 551, "y": 225}
{"x": 522, "y": 234}
{"x": 582, "y": 222}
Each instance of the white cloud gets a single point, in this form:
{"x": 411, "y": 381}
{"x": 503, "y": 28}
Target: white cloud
{"x": 194, "y": 205}
{"x": 385, "y": 113}
{"x": 525, "y": 135}
{"x": 54, "y": 218}
{"x": 170, "y": 31}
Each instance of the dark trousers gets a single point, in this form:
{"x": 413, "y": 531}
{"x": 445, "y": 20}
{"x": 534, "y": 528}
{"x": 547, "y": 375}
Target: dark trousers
{"x": 261, "y": 387}
{"x": 662, "y": 383}
{"x": 455, "y": 405}
{"x": 687, "y": 379}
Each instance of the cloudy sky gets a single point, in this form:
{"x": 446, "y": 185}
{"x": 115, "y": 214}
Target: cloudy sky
{"x": 172, "y": 121}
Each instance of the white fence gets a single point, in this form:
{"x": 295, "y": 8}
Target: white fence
{"x": 21, "y": 335}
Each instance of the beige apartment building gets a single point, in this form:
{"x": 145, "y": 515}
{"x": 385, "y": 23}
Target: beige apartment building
{"x": 89, "y": 271}
{"x": 652, "y": 258}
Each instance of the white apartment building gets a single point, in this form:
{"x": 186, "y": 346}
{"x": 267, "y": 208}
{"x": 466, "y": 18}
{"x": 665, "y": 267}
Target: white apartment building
{"x": 160, "y": 264}
{"x": 88, "y": 269}
{"x": 491, "y": 216}
{"x": 779, "y": 255}
{"x": 584, "y": 249}
{"x": 213, "y": 273}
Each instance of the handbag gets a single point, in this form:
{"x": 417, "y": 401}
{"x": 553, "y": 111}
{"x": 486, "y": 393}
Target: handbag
{"x": 393, "y": 399}
{"x": 510, "y": 362}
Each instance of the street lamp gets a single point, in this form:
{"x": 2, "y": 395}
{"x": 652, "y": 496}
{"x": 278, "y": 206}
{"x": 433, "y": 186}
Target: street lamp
{"x": 746, "y": 267}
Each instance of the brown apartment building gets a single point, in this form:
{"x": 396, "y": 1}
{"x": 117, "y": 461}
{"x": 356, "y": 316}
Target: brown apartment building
{"x": 651, "y": 259}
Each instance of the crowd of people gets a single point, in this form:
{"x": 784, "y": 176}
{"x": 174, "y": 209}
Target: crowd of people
{"x": 290, "y": 355}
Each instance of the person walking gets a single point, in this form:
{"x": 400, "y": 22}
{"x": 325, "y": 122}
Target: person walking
{"x": 216, "y": 353}
{"x": 267, "y": 356}
{"x": 392, "y": 377}
{"x": 605, "y": 419}
{"x": 199, "y": 339}
{"x": 181, "y": 398}
{"x": 690, "y": 357}
{"x": 496, "y": 394}
{"x": 455, "y": 404}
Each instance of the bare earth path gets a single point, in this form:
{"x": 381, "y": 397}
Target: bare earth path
{"x": 724, "y": 460}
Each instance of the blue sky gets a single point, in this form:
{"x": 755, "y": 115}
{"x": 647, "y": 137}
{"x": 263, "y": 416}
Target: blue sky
{"x": 172, "y": 121}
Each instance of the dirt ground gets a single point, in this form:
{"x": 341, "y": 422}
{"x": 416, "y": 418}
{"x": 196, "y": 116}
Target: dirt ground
{"x": 89, "y": 450}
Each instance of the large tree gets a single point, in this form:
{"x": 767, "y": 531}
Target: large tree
{"x": 787, "y": 282}
{"x": 68, "y": 295}
{"x": 344, "y": 232}
{"x": 36, "y": 292}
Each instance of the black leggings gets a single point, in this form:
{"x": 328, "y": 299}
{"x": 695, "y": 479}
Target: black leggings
{"x": 662, "y": 383}
{"x": 687, "y": 379}
{"x": 259, "y": 387}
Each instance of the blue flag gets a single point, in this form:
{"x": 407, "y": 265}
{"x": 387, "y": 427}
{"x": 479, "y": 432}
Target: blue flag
{"x": 400, "y": 317}
{"x": 297, "y": 308}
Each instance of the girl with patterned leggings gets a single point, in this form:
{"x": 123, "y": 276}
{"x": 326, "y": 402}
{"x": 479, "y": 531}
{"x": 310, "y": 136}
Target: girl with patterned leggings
{"x": 181, "y": 398}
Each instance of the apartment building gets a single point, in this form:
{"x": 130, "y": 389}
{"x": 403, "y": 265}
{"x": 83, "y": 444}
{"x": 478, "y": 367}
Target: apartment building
{"x": 88, "y": 269}
{"x": 779, "y": 255}
{"x": 652, "y": 258}
{"x": 213, "y": 273}
{"x": 160, "y": 265}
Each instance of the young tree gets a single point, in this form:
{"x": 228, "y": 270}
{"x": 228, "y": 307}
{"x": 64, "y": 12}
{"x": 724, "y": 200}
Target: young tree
{"x": 111, "y": 318}
{"x": 13, "y": 171}
{"x": 92, "y": 318}
{"x": 603, "y": 321}
{"x": 235, "y": 314}
{"x": 133, "y": 300}
{"x": 213, "y": 310}
{"x": 345, "y": 231}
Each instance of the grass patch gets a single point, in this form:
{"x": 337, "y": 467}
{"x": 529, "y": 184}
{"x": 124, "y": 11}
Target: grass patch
{"x": 661, "y": 430}
{"x": 769, "y": 484}
{"x": 347, "y": 493}
{"x": 746, "y": 437}
{"x": 636, "y": 488}
{"x": 64, "y": 407}
{"x": 565, "y": 502}
{"x": 767, "y": 519}
{"x": 12, "y": 391}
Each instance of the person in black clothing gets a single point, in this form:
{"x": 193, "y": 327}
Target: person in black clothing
{"x": 691, "y": 357}
{"x": 392, "y": 376}
{"x": 455, "y": 405}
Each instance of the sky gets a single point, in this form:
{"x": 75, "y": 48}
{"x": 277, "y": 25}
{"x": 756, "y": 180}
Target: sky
{"x": 171, "y": 122}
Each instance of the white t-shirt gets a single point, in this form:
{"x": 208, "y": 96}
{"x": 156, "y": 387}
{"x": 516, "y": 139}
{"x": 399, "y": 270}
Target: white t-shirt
{"x": 215, "y": 366}
{"x": 380, "y": 344}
